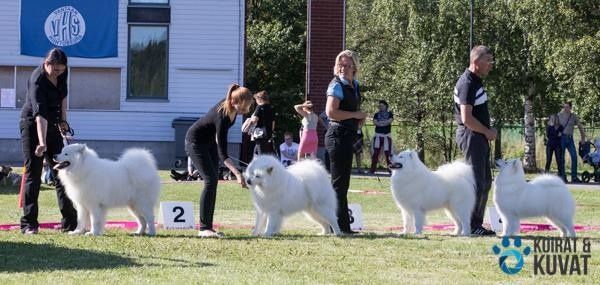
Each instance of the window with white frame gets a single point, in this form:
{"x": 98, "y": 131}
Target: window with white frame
{"x": 147, "y": 62}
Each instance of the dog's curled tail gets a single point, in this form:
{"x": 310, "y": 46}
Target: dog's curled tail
{"x": 140, "y": 165}
{"x": 458, "y": 169}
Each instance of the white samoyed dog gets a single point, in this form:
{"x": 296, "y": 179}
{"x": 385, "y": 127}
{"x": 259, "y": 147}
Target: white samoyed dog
{"x": 95, "y": 184}
{"x": 279, "y": 192}
{"x": 416, "y": 190}
{"x": 546, "y": 195}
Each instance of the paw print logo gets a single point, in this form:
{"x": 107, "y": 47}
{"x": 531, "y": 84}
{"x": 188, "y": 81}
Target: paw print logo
{"x": 511, "y": 259}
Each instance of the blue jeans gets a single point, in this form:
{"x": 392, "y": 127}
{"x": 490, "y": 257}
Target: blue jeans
{"x": 566, "y": 142}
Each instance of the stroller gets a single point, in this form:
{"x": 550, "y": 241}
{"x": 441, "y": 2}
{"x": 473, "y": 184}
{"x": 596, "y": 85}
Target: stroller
{"x": 591, "y": 158}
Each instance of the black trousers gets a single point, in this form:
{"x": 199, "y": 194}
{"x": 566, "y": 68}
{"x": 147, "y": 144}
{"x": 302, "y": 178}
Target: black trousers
{"x": 339, "y": 148}
{"x": 476, "y": 150}
{"x": 33, "y": 174}
{"x": 557, "y": 150}
{"x": 206, "y": 159}
{"x": 263, "y": 146}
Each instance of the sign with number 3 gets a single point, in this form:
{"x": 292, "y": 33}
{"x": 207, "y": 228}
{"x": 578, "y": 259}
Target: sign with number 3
{"x": 176, "y": 215}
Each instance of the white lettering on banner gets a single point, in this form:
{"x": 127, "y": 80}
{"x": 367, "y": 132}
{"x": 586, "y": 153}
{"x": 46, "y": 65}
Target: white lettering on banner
{"x": 65, "y": 26}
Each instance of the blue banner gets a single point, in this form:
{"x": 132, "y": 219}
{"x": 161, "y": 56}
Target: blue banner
{"x": 82, "y": 28}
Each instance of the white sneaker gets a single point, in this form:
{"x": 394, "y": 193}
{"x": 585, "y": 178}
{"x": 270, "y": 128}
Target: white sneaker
{"x": 210, "y": 234}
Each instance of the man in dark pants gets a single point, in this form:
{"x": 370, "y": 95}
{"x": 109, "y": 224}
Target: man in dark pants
{"x": 473, "y": 133}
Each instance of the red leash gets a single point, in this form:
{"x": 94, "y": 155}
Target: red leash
{"x": 22, "y": 187}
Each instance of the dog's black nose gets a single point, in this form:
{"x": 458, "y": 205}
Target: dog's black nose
{"x": 249, "y": 181}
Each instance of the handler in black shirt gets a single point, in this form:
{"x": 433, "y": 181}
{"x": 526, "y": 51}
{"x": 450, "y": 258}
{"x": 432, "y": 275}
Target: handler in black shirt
{"x": 42, "y": 118}
{"x": 206, "y": 142}
{"x": 474, "y": 131}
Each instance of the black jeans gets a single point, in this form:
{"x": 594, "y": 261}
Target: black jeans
{"x": 476, "y": 150}
{"x": 339, "y": 147}
{"x": 206, "y": 159}
{"x": 557, "y": 150}
{"x": 33, "y": 174}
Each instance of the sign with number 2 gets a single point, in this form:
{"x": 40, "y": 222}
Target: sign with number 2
{"x": 176, "y": 215}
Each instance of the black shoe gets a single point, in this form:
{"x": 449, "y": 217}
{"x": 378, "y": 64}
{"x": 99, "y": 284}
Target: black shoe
{"x": 481, "y": 231}
{"x": 575, "y": 180}
{"x": 178, "y": 176}
{"x": 349, "y": 232}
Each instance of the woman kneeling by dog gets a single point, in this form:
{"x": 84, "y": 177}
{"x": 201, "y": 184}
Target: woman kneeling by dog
{"x": 206, "y": 142}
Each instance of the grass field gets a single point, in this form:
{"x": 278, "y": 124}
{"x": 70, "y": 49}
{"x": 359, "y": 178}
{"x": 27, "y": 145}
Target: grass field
{"x": 298, "y": 256}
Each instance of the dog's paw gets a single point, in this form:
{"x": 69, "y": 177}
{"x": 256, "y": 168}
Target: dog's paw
{"x": 76, "y": 232}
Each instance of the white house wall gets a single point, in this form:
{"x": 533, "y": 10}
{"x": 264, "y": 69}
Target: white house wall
{"x": 206, "y": 42}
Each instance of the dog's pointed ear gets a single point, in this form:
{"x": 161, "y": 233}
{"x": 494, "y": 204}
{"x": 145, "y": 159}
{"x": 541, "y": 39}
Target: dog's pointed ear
{"x": 269, "y": 170}
{"x": 81, "y": 148}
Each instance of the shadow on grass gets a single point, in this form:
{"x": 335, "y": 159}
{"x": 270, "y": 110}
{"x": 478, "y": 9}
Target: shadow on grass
{"x": 14, "y": 190}
{"x": 363, "y": 235}
{"x": 27, "y": 257}
{"x": 8, "y": 190}
{"x": 580, "y": 236}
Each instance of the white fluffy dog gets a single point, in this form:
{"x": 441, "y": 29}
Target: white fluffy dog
{"x": 279, "y": 192}
{"x": 417, "y": 190}
{"x": 95, "y": 185}
{"x": 546, "y": 195}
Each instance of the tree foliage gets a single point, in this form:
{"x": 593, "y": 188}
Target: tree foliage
{"x": 413, "y": 51}
{"x": 275, "y": 55}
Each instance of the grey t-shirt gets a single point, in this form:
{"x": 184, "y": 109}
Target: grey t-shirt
{"x": 310, "y": 122}
{"x": 568, "y": 123}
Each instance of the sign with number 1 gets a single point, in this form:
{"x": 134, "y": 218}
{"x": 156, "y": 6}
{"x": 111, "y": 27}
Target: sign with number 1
{"x": 176, "y": 215}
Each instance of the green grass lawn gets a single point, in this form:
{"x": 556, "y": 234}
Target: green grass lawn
{"x": 299, "y": 255}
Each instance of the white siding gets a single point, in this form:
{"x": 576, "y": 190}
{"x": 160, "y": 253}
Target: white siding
{"x": 206, "y": 41}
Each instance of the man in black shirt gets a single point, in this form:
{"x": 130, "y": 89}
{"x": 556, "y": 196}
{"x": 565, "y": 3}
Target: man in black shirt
{"x": 382, "y": 138}
{"x": 473, "y": 133}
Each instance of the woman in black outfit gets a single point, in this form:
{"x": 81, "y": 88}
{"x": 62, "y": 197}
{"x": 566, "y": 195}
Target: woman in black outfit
{"x": 345, "y": 118}
{"x": 263, "y": 118}
{"x": 206, "y": 143}
{"x": 43, "y": 118}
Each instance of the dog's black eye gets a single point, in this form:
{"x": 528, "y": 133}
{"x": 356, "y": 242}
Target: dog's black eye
{"x": 257, "y": 176}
